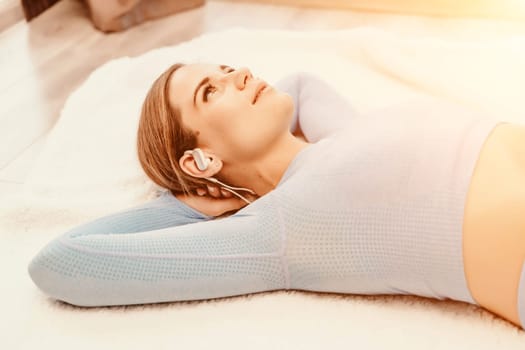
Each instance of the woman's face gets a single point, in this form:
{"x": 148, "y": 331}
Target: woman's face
{"x": 219, "y": 104}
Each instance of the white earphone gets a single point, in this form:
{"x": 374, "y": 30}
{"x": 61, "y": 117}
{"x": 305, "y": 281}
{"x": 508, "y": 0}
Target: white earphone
{"x": 203, "y": 163}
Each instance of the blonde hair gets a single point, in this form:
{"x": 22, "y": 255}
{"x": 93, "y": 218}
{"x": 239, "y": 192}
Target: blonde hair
{"x": 162, "y": 139}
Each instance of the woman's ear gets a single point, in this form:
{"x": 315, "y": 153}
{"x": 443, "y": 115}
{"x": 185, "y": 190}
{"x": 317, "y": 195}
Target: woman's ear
{"x": 188, "y": 164}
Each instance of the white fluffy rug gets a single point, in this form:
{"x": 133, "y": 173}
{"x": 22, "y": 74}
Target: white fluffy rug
{"x": 89, "y": 168}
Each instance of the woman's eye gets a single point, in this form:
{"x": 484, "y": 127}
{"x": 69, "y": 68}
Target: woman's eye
{"x": 207, "y": 90}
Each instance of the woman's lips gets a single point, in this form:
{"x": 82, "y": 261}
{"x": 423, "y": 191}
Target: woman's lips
{"x": 259, "y": 89}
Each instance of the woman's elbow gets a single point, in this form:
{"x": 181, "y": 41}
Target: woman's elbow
{"x": 53, "y": 272}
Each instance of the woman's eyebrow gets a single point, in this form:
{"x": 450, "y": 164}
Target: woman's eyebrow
{"x": 225, "y": 67}
{"x": 205, "y": 81}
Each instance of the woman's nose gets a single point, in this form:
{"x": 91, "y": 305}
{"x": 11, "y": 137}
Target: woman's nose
{"x": 241, "y": 77}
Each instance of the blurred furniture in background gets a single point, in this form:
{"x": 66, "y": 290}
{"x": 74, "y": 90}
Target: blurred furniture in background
{"x": 117, "y": 15}
{"x": 33, "y": 8}
{"x": 106, "y": 15}
{"x": 10, "y": 13}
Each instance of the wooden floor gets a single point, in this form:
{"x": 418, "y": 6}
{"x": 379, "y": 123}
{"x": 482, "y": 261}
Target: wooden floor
{"x": 43, "y": 61}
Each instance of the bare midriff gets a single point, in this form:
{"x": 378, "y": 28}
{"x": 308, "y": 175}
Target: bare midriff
{"x": 494, "y": 222}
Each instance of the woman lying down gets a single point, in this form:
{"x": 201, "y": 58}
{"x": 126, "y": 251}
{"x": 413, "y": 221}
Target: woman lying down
{"x": 285, "y": 187}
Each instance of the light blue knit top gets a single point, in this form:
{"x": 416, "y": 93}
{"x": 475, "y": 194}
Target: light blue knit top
{"x": 374, "y": 205}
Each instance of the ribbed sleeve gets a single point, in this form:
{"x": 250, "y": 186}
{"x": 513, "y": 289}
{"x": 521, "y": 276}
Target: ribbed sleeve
{"x": 160, "y": 252}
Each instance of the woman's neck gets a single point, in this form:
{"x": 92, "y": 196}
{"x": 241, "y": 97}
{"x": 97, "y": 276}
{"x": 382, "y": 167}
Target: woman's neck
{"x": 263, "y": 175}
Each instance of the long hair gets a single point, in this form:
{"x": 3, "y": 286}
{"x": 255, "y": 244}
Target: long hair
{"x": 162, "y": 139}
